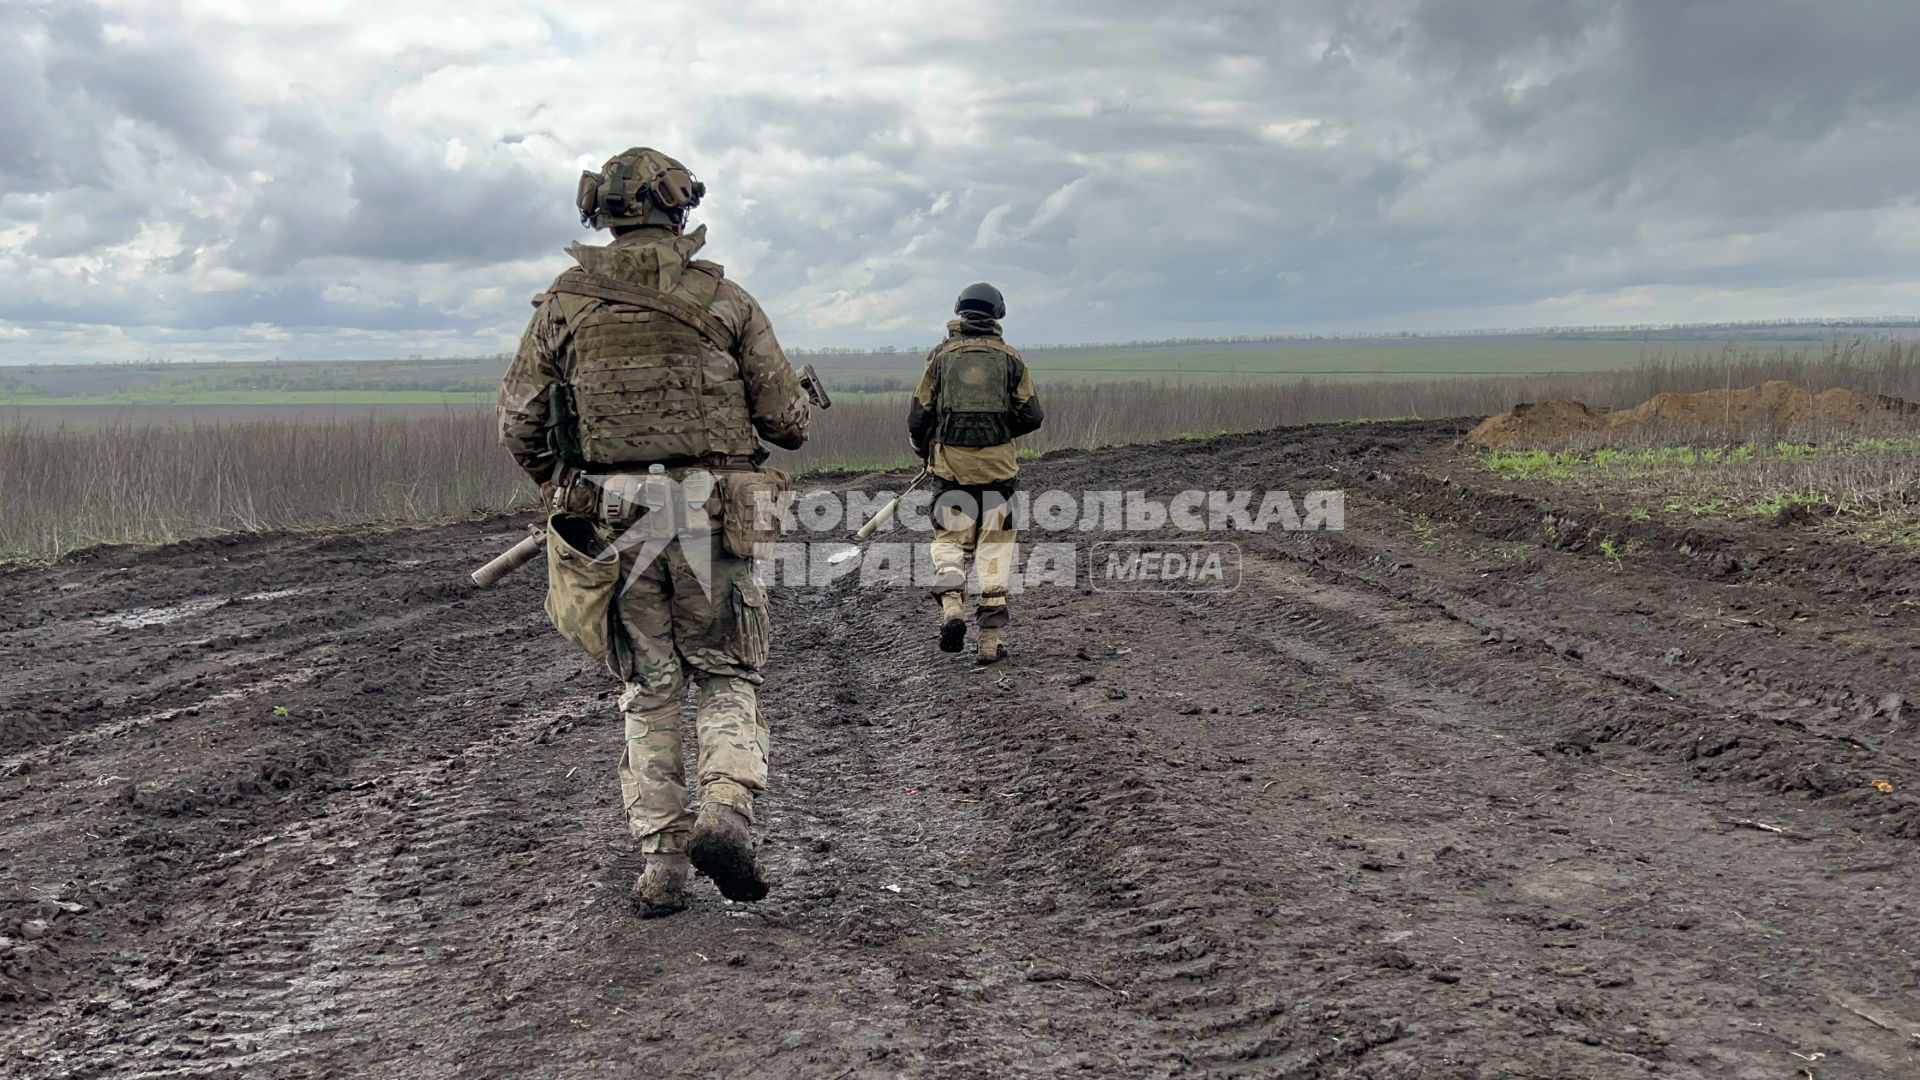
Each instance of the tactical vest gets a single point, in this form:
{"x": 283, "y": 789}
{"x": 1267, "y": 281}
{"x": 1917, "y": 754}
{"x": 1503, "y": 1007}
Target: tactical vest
{"x": 974, "y": 401}
{"x": 651, "y": 385}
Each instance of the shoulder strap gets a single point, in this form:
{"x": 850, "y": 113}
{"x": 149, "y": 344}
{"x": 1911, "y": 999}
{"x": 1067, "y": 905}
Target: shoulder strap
{"x": 615, "y": 291}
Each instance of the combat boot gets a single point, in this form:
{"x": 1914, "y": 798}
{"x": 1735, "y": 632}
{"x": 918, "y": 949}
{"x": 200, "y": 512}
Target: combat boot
{"x": 661, "y": 888}
{"x": 953, "y": 625}
{"x": 992, "y": 649}
{"x": 722, "y": 849}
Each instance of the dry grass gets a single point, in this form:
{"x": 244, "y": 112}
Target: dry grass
{"x": 1867, "y": 488}
{"x": 871, "y": 432}
{"x": 63, "y": 487}
{"x": 1844, "y": 480}
{"x": 129, "y": 480}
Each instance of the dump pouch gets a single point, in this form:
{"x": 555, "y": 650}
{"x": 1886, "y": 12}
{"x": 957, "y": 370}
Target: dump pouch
{"x": 750, "y": 506}
{"x": 583, "y": 583}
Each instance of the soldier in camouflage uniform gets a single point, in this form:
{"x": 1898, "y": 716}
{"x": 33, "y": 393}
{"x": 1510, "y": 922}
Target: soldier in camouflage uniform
{"x": 644, "y": 356}
{"x": 975, "y": 397}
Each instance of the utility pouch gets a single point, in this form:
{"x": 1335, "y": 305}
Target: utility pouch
{"x": 583, "y": 583}
{"x": 640, "y": 505}
{"x": 751, "y": 511}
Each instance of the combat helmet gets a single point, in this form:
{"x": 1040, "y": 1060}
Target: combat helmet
{"x": 983, "y": 298}
{"x": 641, "y": 186}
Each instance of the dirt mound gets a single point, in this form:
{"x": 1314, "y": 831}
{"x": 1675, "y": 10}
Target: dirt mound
{"x": 1561, "y": 420}
{"x": 1772, "y": 409}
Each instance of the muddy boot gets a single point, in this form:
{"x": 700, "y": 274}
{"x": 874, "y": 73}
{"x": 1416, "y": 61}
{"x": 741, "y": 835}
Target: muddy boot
{"x": 992, "y": 649}
{"x": 661, "y": 888}
{"x": 722, "y": 849}
{"x": 953, "y": 626}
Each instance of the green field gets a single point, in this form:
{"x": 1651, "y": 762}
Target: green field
{"x": 473, "y": 381}
{"x": 1420, "y": 358}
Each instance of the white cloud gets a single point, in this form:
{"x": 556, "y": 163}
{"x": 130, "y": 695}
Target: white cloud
{"x": 988, "y": 235}
{"x": 362, "y": 177}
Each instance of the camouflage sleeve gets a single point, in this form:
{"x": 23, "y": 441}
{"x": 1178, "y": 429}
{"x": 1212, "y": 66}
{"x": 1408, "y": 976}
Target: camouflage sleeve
{"x": 920, "y": 411}
{"x": 781, "y": 413}
{"x": 1027, "y": 415}
{"x": 526, "y": 393}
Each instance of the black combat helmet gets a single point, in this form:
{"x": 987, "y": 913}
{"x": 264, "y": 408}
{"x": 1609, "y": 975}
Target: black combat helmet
{"x": 983, "y": 298}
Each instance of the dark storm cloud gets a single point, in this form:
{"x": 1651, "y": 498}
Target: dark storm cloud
{"x": 1668, "y": 76}
{"x": 1137, "y": 168}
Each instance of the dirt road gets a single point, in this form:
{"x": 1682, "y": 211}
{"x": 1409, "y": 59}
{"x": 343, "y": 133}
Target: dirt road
{"x": 1450, "y": 793}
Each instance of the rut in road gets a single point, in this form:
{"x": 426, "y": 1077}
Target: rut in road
{"x": 1394, "y": 808}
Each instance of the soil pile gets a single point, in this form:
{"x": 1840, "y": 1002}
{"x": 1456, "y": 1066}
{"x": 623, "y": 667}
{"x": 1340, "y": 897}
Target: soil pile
{"x": 1770, "y": 410}
{"x": 1548, "y": 421}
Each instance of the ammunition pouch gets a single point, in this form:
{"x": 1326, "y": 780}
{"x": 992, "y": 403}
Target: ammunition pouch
{"x": 583, "y": 585}
{"x": 752, "y": 624}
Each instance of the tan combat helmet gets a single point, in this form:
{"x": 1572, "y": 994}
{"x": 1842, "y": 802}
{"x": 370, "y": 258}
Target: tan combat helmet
{"x": 641, "y": 186}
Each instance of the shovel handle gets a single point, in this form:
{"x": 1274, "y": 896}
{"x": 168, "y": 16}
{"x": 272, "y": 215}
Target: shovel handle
{"x": 886, "y": 512}
{"x": 510, "y": 560}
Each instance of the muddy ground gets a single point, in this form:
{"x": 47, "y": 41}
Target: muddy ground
{"x": 1450, "y": 793}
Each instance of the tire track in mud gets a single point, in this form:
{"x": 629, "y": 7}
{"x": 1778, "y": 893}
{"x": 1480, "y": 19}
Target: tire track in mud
{"x": 338, "y": 919}
{"x": 1597, "y": 877}
{"x": 1783, "y": 714}
{"x": 1316, "y": 828}
{"x": 209, "y": 778}
{"x": 1100, "y": 887}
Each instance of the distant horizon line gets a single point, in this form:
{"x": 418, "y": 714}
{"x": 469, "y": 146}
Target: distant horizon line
{"x": 1861, "y": 322}
{"x": 1858, "y": 322}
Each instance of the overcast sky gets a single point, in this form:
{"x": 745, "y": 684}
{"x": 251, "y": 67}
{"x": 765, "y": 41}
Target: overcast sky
{"x": 233, "y": 177}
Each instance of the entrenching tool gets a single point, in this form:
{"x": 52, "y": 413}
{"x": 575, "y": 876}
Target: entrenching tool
{"x": 881, "y": 517}
{"x": 886, "y": 512}
{"x": 513, "y": 558}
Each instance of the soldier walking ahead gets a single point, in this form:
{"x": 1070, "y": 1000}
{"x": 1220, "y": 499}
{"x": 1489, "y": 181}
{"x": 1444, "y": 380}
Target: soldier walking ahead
{"x": 637, "y": 401}
{"x": 974, "y": 399}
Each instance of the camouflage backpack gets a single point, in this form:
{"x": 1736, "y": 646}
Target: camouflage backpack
{"x": 974, "y": 401}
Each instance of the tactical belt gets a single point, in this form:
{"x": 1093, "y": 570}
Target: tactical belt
{"x": 704, "y": 461}
{"x": 615, "y": 291}
{"x": 569, "y": 495}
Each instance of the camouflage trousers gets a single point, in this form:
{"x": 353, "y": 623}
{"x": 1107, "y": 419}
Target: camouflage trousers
{"x": 979, "y": 524}
{"x": 715, "y": 637}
